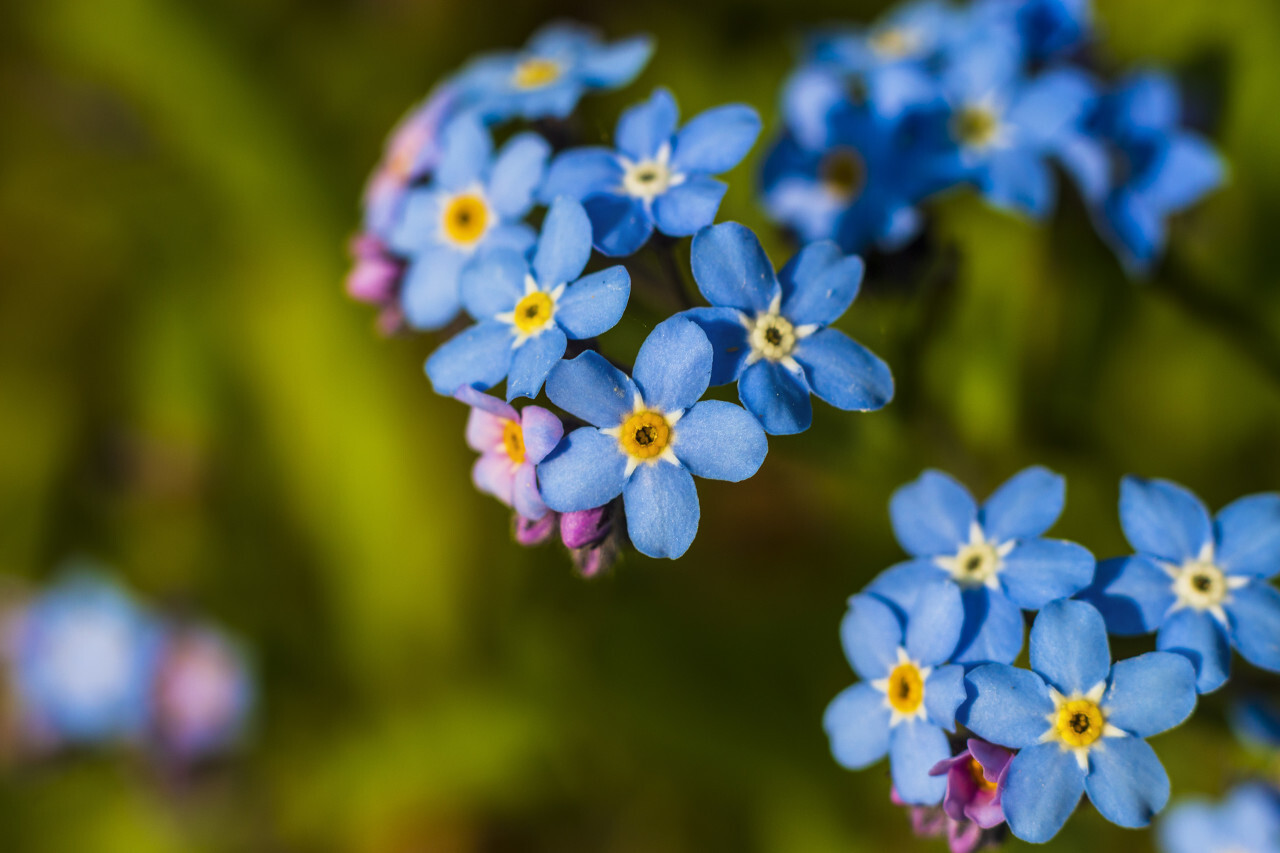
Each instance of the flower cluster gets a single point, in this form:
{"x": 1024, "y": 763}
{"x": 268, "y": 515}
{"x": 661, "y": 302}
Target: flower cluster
{"x": 934, "y": 641}
{"x": 449, "y": 243}
{"x": 990, "y": 96}
{"x": 86, "y": 663}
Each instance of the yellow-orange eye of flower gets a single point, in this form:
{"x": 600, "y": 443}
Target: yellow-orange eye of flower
{"x": 1080, "y": 722}
{"x": 513, "y": 442}
{"x": 534, "y": 73}
{"x": 645, "y": 435}
{"x": 978, "y": 776}
{"x": 843, "y": 172}
{"x": 533, "y": 312}
{"x": 465, "y": 218}
{"x": 906, "y": 689}
{"x": 975, "y": 126}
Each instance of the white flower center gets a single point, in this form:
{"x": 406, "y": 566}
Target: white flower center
{"x": 1200, "y": 585}
{"x": 648, "y": 179}
{"x": 772, "y": 336}
{"x": 977, "y": 563}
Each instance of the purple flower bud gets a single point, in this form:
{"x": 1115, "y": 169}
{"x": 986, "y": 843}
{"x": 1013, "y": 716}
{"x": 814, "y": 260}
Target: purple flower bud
{"x": 537, "y": 532}
{"x": 975, "y": 783}
{"x": 926, "y": 821}
{"x": 586, "y": 528}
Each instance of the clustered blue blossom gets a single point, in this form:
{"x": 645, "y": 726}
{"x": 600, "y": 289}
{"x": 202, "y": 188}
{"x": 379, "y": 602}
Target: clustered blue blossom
{"x": 1077, "y": 719}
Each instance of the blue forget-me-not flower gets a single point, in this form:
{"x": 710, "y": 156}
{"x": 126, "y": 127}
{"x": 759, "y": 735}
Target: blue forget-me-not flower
{"x": 1247, "y": 821}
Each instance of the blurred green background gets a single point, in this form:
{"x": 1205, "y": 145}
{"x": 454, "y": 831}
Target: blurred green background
{"x": 186, "y": 392}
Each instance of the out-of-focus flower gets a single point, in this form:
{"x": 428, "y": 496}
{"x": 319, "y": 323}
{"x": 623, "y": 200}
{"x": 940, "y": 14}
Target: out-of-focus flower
{"x": 650, "y": 435}
{"x": 375, "y": 278}
{"x": 547, "y": 77}
{"x": 593, "y": 537}
{"x": 907, "y": 695}
{"x": 658, "y": 176}
{"x": 1247, "y": 821}
{"x": 203, "y": 693}
{"x": 1079, "y": 723}
{"x": 770, "y": 332}
{"x": 511, "y": 443}
{"x": 1046, "y": 28}
{"x": 1200, "y": 582}
{"x": 536, "y": 531}
{"x": 525, "y": 314}
{"x": 995, "y": 554}
{"x": 1256, "y": 720}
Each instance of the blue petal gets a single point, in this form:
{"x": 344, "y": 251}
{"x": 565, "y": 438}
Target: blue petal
{"x": 594, "y": 303}
{"x": 1201, "y": 639}
{"x": 844, "y": 372}
{"x": 720, "y": 441}
{"x": 777, "y": 396}
{"x": 418, "y": 227}
{"x": 580, "y": 172}
{"x": 688, "y": 207}
{"x": 615, "y": 65}
{"x": 1069, "y": 646}
{"x": 1190, "y": 169}
{"x": 992, "y": 628}
{"x": 1191, "y": 826}
{"x": 932, "y": 515}
{"x": 661, "y": 503}
{"x": 732, "y": 269}
{"x": 515, "y": 236}
{"x": 1247, "y": 533}
{"x": 716, "y": 140}
{"x": 808, "y": 98}
{"x": 1041, "y": 790}
{"x": 871, "y": 634}
{"x": 1048, "y": 105}
{"x": 465, "y": 150}
{"x": 1252, "y": 814}
{"x": 1254, "y": 612}
{"x": 1164, "y": 519}
{"x": 1027, "y": 505}
{"x": 934, "y": 622}
{"x": 1132, "y": 593}
{"x": 542, "y": 432}
{"x": 586, "y": 470}
{"x": 562, "y": 38}
{"x": 914, "y": 748}
{"x": 1126, "y": 781}
{"x": 493, "y": 282}
{"x": 647, "y": 126}
{"x": 1134, "y": 229}
{"x": 1038, "y": 571}
{"x": 901, "y": 584}
{"x": 564, "y": 246}
{"x": 516, "y": 173}
{"x": 532, "y": 362}
{"x": 430, "y": 296}
{"x": 944, "y": 693}
{"x": 591, "y": 388}
{"x": 1020, "y": 182}
{"x": 620, "y": 225}
{"x": 480, "y": 355}
{"x": 673, "y": 367}
{"x": 1150, "y": 693}
{"x": 857, "y": 722}
{"x": 1007, "y": 706}
{"x": 724, "y": 328}
{"x": 819, "y": 284}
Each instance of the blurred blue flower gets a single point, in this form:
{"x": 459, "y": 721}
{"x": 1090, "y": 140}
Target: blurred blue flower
{"x": 1256, "y": 720}
{"x": 525, "y": 314}
{"x": 547, "y": 77}
{"x": 1200, "y": 582}
{"x": 1047, "y": 29}
{"x": 659, "y": 177}
{"x": 84, "y": 661}
{"x": 995, "y": 554}
{"x": 204, "y": 692}
{"x": 1247, "y": 821}
{"x": 770, "y": 331}
{"x": 475, "y": 201}
{"x": 1078, "y": 723}
{"x": 649, "y": 436}
{"x": 907, "y": 696}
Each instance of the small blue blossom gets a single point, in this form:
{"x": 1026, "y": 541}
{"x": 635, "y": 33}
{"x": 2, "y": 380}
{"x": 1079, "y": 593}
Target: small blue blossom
{"x": 1247, "y": 821}
{"x": 995, "y": 554}
{"x": 550, "y": 74}
{"x": 1201, "y": 583}
{"x": 649, "y": 436}
{"x": 526, "y": 313}
{"x": 474, "y": 202}
{"x": 1078, "y": 723}
{"x": 907, "y": 695}
{"x": 770, "y": 332}
{"x": 659, "y": 177}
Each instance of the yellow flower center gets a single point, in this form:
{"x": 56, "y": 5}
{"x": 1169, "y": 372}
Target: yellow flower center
{"x": 843, "y": 172}
{"x": 975, "y": 126}
{"x": 1200, "y": 584}
{"x": 645, "y": 434}
{"x": 513, "y": 441}
{"x": 465, "y": 218}
{"x": 895, "y": 42}
{"x": 979, "y": 777}
{"x": 1080, "y": 722}
{"x": 533, "y": 312}
{"x": 906, "y": 688}
{"x": 535, "y": 72}
{"x": 773, "y": 336}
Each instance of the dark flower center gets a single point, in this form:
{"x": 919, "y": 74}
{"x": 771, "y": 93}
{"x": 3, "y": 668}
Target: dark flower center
{"x": 646, "y": 435}
{"x": 843, "y": 172}
{"x": 1080, "y": 723}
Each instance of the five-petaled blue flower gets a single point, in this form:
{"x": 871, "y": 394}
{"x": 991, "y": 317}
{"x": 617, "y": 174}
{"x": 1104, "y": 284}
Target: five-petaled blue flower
{"x": 995, "y": 554}
{"x": 1078, "y": 723}
{"x": 907, "y": 696}
{"x": 770, "y": 331}
{"x": 658, "y": 177}
{"x": 560, "y": 62}
{"x": 1200, "y": 582}
{"x": 1247, "y": 821}
{"x": 525, "y": 315}
{"x": 649, "y": 435}
{"x": 474, "y": 202}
